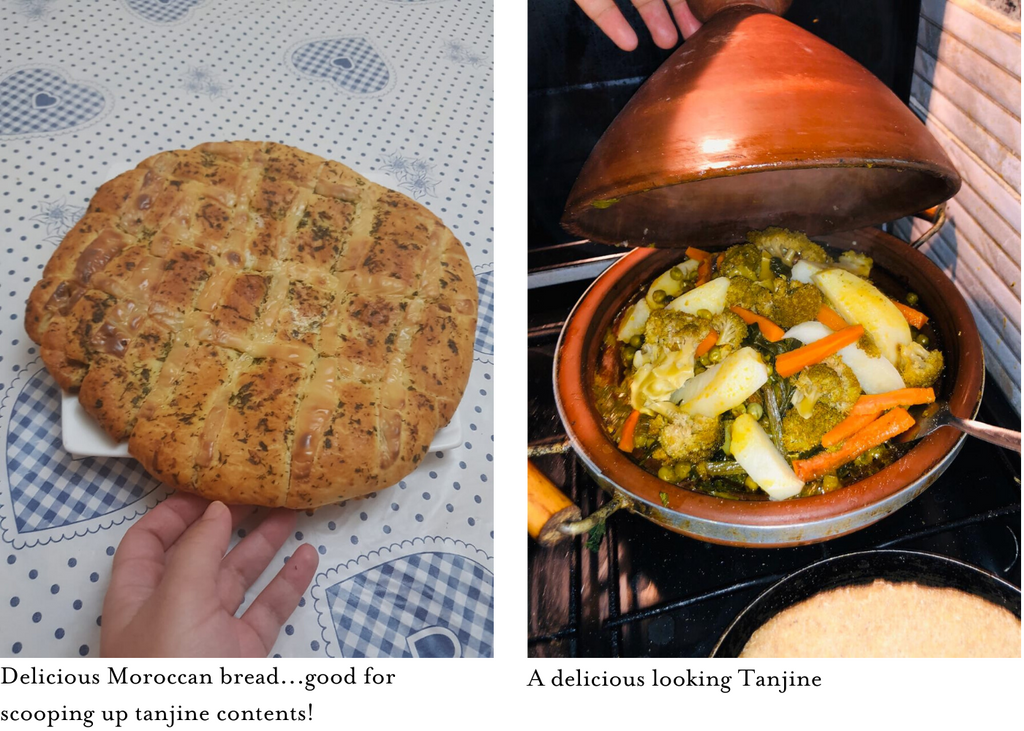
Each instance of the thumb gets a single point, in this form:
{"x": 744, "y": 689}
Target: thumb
{"x": 199, "y": 552}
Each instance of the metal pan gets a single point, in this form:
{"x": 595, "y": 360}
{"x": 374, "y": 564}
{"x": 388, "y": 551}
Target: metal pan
{"x": 927, "y": 569}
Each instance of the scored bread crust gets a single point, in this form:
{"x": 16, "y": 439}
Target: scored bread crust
{"x": 262, "y": 325}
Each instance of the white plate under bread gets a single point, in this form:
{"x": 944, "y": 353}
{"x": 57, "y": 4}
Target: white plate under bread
{"x": 83, "y": 437}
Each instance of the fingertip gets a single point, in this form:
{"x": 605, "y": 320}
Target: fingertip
{"x": 216, "y": 511}
{"x": 626, "y": 39}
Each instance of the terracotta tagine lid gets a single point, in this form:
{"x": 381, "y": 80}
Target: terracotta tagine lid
{"x": 755, "y": 122}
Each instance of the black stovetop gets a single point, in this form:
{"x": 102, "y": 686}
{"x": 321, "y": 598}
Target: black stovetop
{"x": 650, "y": 593}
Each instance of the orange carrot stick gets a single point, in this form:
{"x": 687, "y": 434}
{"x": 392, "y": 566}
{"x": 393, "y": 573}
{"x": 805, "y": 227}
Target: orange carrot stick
{"x": 830, "y": 318}
{"x": 698, "y": 254}
{"x": 796, "y": 360}
{"x": 707, "y": 343}
{"x": 772, "y": 332}
{"x": 912, "y": 316}
{"x": 879, "y": 402}
{"x": 703, "y": 272}
{"x": 877, "y": 432}
{"x": 850, "y": 425}
{"x": 628, "y": 429}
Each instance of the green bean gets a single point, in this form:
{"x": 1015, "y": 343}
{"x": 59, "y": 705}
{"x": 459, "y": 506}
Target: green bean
{"x": 771, "y": 406}
{"x": 723, "y": 469}
{"x": 727, "y": 441}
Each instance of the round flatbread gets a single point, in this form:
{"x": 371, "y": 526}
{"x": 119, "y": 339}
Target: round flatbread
{"x": 262, "y": 325}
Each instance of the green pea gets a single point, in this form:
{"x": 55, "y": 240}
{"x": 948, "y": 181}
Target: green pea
{"x": 738, "y": 410}
{"x": 636, "y": 341}
{"x": 750, "y": 484}
{"x": 715, "y": 356}
{"x": 912, "y": 298}
{"x": 639, "y": 440}
{"x": 682, "y": 470}
{"x": 676, "y": 273}
{"x": 705, "y": 360}
{"x": 756, "y": 410}
{"x": 666, "y": 473}
{"x": 706, "y": 314}
{"x": 922, "y": 340}
{"x": 659, "y": 296}
{"x": 830, "y": 482}
{"x": 627, "y": 354}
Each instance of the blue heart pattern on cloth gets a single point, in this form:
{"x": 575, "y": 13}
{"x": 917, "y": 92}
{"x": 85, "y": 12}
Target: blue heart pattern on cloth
{"x": 39, "y": 101}
{"x": 485, "y": 314}
{"x": 431, "y": 604}
{"x": 351, "y": 62}
{"x": 162, "y": 11}
{"x": 49, "y": 488}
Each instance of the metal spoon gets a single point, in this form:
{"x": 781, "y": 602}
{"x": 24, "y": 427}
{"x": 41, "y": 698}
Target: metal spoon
{"x": 938, "y": 415}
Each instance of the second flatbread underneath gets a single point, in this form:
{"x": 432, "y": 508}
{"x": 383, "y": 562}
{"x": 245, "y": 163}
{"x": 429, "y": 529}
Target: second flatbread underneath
{"x": 889, "y": 620}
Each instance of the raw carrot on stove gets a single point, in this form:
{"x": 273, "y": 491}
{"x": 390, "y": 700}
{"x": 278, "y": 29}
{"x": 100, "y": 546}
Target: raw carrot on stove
{"x": 772, "y": 332}
{"x": 795, "y": 361}
{"x": 878, "y": 432}
{"x": 628, "y": 429}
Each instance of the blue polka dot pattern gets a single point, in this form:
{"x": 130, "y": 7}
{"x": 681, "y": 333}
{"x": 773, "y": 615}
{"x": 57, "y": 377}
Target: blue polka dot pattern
{"x": 162, "y": 11}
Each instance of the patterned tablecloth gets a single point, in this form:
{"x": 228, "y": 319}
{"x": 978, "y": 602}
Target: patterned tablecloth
{"x": 399, "y": 90}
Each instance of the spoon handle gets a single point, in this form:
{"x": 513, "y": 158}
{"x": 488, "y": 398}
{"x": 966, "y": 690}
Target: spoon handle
{"x": 986, "y": 432}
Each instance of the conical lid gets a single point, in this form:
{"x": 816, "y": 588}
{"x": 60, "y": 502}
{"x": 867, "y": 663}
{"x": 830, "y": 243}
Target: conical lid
{"x": 755, "y": 122}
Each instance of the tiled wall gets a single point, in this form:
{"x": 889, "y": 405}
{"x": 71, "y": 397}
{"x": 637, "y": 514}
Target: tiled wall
{"x": 967, "y": 90}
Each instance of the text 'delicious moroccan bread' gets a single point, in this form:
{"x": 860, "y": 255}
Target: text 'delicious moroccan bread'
{"x": 262, "y": 325}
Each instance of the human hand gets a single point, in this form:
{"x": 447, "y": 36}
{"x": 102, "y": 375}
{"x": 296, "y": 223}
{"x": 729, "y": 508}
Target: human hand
{"x": 655, "y": 16}
{"x": 173, "y": 592}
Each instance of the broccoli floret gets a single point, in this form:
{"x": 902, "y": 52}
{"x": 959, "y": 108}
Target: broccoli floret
{"x": 674, "y": 330}
{"x": 796, "y": 302}
{"x": 801, "y": 435}
{"x": 919, "y": 366}
{"x": 788, "y": 245}
{"x": 830, "y": 383}
{"x": 749, "y": 295}
{"x": 689, "y": 438}
{"x": 731, "y": 329}
{"x": 854, "y": 261}
{"x": 742, "y": 261}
